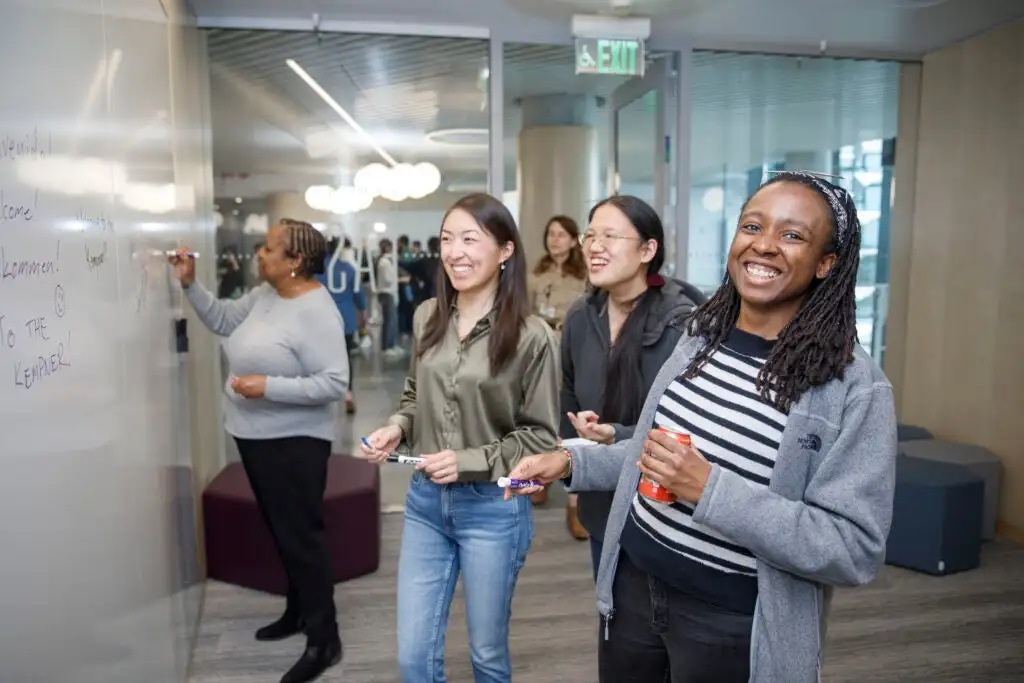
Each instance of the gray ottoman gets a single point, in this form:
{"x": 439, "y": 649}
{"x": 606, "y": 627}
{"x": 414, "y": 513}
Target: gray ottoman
{"x": 980, "y": 461}
{"x": 911, "y": 433}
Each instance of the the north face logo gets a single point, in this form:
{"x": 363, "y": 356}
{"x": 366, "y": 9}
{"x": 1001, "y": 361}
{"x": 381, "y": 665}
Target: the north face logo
{"x": 811, "y": 442}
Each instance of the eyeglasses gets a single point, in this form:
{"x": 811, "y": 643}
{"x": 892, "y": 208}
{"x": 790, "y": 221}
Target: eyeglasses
{"x": 606, "y": 240}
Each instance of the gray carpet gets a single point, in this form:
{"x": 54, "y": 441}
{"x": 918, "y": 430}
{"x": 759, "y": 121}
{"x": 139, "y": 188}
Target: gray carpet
{"x": 905, "y": 627}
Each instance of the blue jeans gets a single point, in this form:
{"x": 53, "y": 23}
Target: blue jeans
{"x": 389, "y": 321}
{"x": 452, "y": 529}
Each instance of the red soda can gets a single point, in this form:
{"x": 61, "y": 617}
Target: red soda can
{"x": 654, "y": 490}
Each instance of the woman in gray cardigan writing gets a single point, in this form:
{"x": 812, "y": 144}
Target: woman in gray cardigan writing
{"x": 287, "y": 354}
{"x": 761, "y": 473}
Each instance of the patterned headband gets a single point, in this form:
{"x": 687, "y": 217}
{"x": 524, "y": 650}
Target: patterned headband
{"x": 836, "y": 196}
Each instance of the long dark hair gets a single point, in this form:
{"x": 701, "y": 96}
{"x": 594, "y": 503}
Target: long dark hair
{"x": 625, "y": 390}
{"x": 511, "y": 302}
{"x": 575, "y": 265}
{"x": 817, "y": 344}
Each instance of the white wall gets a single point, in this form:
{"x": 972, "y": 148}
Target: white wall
{"x": 102, "y": 456}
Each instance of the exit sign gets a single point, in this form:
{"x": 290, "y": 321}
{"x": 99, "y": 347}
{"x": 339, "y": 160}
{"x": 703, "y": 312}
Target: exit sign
{"x": 612, "y": 56}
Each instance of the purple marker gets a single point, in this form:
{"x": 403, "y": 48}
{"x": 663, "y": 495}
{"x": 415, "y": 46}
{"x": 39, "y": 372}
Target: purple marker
{"x": 506, "y": 483}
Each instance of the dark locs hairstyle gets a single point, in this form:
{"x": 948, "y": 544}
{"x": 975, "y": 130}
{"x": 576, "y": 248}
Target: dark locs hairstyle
{"x": 625, "y": 389}
{"x": 306, "y": 243}
{"x": 511, "y": 303}
{"x": 574, "y": 266}
{"x": 817, "y": 344}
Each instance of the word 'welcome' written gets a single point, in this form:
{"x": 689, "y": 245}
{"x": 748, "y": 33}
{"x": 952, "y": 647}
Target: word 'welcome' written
{"x": 16, "y": 211}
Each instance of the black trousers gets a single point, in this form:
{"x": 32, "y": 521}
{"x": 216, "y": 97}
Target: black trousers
{"x": 288, "y": 477}
{"x": 661, "y": 635}
{"x": 351, "y": 344}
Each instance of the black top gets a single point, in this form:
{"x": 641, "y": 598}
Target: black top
{"x": 586, "y": 345}
{"x": 734, "y": 427}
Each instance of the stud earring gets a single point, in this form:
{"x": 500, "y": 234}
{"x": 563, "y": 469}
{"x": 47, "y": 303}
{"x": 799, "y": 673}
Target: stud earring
{"x": 503, "y": 265}
{"x": 293, "y": 273}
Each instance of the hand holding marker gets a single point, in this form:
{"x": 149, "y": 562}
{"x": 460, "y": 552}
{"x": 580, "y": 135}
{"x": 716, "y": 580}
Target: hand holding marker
{"x": 506, "y": 483}
{"x": 393, "y": 457}
{"x": 503, "y": 482}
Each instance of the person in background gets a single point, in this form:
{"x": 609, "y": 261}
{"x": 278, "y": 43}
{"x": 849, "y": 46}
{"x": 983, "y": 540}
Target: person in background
{"x": 482, "y": 393}
{"x": 615, "y": 340}
{"x": 254, "y": 267}
{"x": 406, "y": 300}
{"x": 229, "y": 273}
{"x": 560, "y": 276}
{"x": 402, "y": 248}
{"x": 342, "y": 281}
{"x": 348, "y": 253}
{"x": 424, "y": 272}
{"x": 286, "y": 349}
{"x": 387, "y": 295}
{"x": 786, "y": 489}
{"x": 558, "y": 279}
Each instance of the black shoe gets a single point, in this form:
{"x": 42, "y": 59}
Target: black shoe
{"x": 285, "y": 627}
{"x": 313, "y": 662}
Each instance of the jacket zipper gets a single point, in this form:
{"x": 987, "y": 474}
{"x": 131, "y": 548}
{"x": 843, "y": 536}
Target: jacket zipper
{"x": 607, "y": 620}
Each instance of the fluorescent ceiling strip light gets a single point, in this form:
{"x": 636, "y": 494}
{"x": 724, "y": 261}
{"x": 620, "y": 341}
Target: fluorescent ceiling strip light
{"x": 311, "y": 82}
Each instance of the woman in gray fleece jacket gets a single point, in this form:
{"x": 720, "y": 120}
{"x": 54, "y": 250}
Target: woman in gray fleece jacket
{"x": 786, "y": 489}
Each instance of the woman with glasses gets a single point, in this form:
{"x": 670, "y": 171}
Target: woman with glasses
{"x": 616, "y": 339}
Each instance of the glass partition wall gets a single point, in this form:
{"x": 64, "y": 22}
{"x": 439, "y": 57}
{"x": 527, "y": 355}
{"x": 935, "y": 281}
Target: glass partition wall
{"x": 755, "y": 113}
{"x": 315, "y": 124}
{"x": 366, "y": 135}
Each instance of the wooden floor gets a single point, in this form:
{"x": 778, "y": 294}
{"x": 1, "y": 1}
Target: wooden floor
{"x": 905, "y": 627}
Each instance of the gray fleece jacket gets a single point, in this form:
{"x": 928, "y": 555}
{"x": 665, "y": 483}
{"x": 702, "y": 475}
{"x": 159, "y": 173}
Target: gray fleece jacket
{"x": 823, "y": 521}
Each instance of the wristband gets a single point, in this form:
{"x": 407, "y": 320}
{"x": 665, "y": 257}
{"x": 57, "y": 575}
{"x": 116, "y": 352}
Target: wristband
{"x": 568, "y": 463}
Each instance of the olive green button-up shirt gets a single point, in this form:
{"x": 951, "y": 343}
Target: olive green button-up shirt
{"x": 451, "y": 401}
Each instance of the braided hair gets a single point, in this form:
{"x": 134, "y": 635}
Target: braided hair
{"x": 817, "y": 344}
{"x": 308, "y": 244}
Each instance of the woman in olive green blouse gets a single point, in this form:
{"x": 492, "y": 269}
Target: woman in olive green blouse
{"x": 482, "y": 393}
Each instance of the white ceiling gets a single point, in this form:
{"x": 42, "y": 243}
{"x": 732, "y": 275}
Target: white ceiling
{"x": 862, "y": 28}
{"x": 270, "y": 126}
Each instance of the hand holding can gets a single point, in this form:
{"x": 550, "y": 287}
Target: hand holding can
{"x": 672, "y": 468}
{"x": 648, "y": 487}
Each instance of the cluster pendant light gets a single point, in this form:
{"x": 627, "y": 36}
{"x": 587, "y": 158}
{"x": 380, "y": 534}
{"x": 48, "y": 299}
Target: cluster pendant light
{"x": 395, "y": 181}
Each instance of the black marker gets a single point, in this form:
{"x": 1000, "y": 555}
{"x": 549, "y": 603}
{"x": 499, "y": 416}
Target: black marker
{"x": 400, "y": 459}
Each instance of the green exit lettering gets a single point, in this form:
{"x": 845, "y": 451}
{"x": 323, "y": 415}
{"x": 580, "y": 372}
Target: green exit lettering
{"x": 621, "y": 57}
{"x": 616, "y": 56}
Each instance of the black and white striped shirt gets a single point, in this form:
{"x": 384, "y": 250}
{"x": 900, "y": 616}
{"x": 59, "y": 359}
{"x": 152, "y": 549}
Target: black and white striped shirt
{"x": 732, "y": 425}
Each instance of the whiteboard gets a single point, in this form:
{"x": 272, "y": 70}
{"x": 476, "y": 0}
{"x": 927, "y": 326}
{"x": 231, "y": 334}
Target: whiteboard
{"x": 96, "y": 182}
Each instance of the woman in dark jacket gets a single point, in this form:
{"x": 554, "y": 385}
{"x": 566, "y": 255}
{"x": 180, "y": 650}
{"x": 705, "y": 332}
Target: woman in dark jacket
{"x": 615, "y": 339}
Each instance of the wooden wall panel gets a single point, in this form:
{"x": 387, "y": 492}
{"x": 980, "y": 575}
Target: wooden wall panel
{"x": 963, "y": 374}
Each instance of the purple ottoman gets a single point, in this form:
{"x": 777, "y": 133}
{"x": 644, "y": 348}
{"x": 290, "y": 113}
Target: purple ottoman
{"x": 239, "y": 549}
